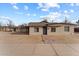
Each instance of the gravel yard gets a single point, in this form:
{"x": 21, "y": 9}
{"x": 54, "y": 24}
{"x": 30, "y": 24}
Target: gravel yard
{"x": 31, "y": 45}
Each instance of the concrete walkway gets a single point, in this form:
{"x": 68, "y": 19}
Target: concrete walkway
{"x": 21, "y": 45}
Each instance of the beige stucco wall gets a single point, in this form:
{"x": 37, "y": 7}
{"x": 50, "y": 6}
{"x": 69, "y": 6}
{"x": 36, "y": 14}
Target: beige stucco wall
{"x": 31, "y": 31}
{"x": 60, "y": 30}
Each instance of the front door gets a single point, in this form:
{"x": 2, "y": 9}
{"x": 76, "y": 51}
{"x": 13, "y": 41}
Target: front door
{"x": 27, "y": 30}
{"x": 44, "y": 30}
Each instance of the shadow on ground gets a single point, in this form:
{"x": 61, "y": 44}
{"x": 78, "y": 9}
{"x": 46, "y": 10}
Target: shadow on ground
{"x": 18, "y": 33}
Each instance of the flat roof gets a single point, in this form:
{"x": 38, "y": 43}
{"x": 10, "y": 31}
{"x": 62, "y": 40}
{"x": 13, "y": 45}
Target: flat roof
{"x": 47, "y": 24}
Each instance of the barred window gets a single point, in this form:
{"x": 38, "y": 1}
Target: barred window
{"x": 53, "y": 29}
{"x": 36, "y": 29}
{"x": 66, "y": 28}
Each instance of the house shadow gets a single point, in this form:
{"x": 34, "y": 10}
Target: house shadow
{"x": 19, "y": 33}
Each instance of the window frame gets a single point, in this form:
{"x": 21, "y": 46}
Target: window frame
{"x": 36, "y": 29}
{"x": 53, "y": 29}
{"x": 66, "y": 28}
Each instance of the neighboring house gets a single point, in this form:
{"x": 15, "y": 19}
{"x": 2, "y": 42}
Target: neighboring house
{"x": 46, "y": 28}
{"x": 21, "y": 29}
{"x": 5, "y": 28}
{"x": 16, "y": 29}
{"x": 24, "y": 29}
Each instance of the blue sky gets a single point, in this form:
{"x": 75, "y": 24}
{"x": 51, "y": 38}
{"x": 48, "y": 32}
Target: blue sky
{"x": 32, "y": 12}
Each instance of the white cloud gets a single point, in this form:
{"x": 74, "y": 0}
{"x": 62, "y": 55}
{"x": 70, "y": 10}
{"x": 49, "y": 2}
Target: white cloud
{"x": 72, "y": 4}
{"x": 44, "y": 9}
{"x": 27, "y": 14}
{"x": 65, "y": 11}
{"x": 40, "y": 5}
{"x": 15, "y": 7}
{"x": 26, "y": 7}
{"x": 34, "y": 14}
{"x": 71, "y": 11}
{"x": 66, "y": 15}
{"x": 13, "y": 3}
{"x": 4, "y": 20}
{"x": 74, "y": 21}
{"x": 77, "y": 4}
{"x": 4, "y": 17}
{"x": 19, "y": 13}
{"x": 55, "y": 16}
{"x": 47, "y": 6}
{"x": 53, "y": 5}
{"x": 43, "y": 16}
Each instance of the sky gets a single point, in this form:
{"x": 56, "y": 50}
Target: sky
{"x": 21, "y": 13}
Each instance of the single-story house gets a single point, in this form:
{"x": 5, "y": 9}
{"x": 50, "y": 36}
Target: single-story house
{"x": 5, "y": 28}
{"x": 24, "y": 29}
{"x": 21, "y": 29}
{"x": 46, "y": 28}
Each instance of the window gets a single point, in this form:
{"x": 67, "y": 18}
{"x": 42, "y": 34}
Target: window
{"x": 53, "y": 29}
{"x": 66, "y": 28}
{"x": 36, "y": 29}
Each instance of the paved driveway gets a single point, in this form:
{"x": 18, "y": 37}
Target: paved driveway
{"x": 24, "y": 45}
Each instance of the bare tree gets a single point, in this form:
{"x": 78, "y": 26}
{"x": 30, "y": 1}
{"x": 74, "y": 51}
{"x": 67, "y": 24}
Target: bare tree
{"x": 0, "y": 26}
{"x": 10, "y": 24}
{"x": 77, "y": 22}
{"x": 66, "y": 20}
{"x": 24, "y": 24}
{"x": 45, "y": 19}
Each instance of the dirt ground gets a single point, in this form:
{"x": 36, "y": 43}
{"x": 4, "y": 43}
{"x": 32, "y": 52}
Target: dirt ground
{"x": 12, "y": 44}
